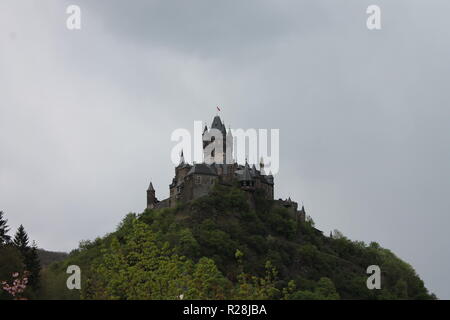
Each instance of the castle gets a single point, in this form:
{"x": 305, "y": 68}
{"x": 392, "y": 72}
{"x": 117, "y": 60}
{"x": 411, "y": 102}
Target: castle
{"x": 197, "y": 180}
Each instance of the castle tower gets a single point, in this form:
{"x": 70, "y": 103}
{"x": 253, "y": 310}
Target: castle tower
{"x": 261, "y": 166}
{"x": 219, "y": 131}
{"x": 302, "y": 214}
{"x": 181, "y": 158}
{"x": 246, "y": 181}
{"x": 182, "y": 169}
{"x": 229, "y": 148}
{"x": 151, "y": 198}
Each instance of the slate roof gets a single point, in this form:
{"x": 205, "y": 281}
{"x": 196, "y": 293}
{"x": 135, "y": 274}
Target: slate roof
{"x": 217, "y": 123}
{"x": 201, "y": 168}
{"x": 245, "y": 175}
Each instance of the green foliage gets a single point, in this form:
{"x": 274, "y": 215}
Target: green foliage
{"x": 323, "y": 290}
{"x": 10, "y": 261}
{"x": 48, "y": 257}
{"x": 29, "y": 256}
{"x": 224, "y": 246}
{"x": 4, "y": 237}
{"x": 21, "y": 239}
{"x": 141, "y": 268}
{"x": 18, "y": 257}
{"x": 33, "y": 265}
{"x": 257, "y": 288}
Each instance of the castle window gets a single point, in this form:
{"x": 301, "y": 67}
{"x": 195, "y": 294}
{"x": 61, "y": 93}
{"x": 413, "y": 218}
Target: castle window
{"x": 198, "y": 180}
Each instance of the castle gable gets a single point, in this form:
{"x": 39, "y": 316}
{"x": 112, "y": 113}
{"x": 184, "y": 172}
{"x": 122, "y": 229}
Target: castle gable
{"x": 202, "y": 169}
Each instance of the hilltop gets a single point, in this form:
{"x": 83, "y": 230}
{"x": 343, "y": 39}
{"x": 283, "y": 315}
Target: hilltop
{"x": 225, "y": 246}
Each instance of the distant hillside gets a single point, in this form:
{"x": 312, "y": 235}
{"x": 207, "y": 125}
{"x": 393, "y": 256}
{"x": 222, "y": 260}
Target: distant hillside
{"x": 220, "y": 247}
{"x": 48, "y": 257}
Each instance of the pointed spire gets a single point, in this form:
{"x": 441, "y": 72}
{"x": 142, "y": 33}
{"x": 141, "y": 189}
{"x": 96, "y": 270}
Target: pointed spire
{"x": 217, "y": 124}
{"x": 246, "y": 176}
{"x": 182, "y": 157}
{"x": 150, "y": 187}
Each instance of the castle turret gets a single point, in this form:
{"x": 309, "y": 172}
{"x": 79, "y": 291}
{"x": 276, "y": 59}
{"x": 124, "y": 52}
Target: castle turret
{"x": 151, "y": 198}
{"x": 181, "y": 159}
{"x": 229, "y": 148}
{"x": 254, "y": 171}
{"x": 219, "y": 132}
{"x": 182, "y": 169}
{"x": 245, "y": 179}
{"x": 261, "y": 166}
{"x": 302, "y": 214}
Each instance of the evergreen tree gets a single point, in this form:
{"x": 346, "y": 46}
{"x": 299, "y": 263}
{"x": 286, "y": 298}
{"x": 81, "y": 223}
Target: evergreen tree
{"x": 29, "y": 255}
{"x": 33, "y": 265}
{"x": 21, "y": 240}
{"x": 4, "y": 237}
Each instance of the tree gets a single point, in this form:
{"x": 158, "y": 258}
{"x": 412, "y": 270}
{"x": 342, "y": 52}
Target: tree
{"x": 10, "y": 262}
{"x": 29, "y": 256}
{"x": 4, "y": 237}
{"x": 21, "y": 240}
{"x": 251, "y": 287}
{"x": 218, "y": 247}
{"x": 207, "y": 282}
{"x": 141, "y": 268}
{"x": 33, "y": 265}
{"x": 326, "y": 290}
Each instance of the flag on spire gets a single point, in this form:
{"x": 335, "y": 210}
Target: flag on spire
{"x": 218, "y": 109}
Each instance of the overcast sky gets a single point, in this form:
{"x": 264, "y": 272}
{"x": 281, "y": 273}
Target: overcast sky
{"x": 86, "y": 116}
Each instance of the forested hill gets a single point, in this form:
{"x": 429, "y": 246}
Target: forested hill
{"x": 48, "y": 257}
{"x": 220, "y": 247}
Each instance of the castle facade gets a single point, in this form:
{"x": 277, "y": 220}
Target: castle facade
{"x": 193, "y": 181}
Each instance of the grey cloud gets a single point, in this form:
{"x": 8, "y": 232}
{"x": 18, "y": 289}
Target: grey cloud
{"x": 86, "y": 118}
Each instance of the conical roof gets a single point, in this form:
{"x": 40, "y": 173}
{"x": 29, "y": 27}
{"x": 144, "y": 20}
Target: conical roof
{"x": 246, "y": 176}
{"x": 218, "y": 124}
